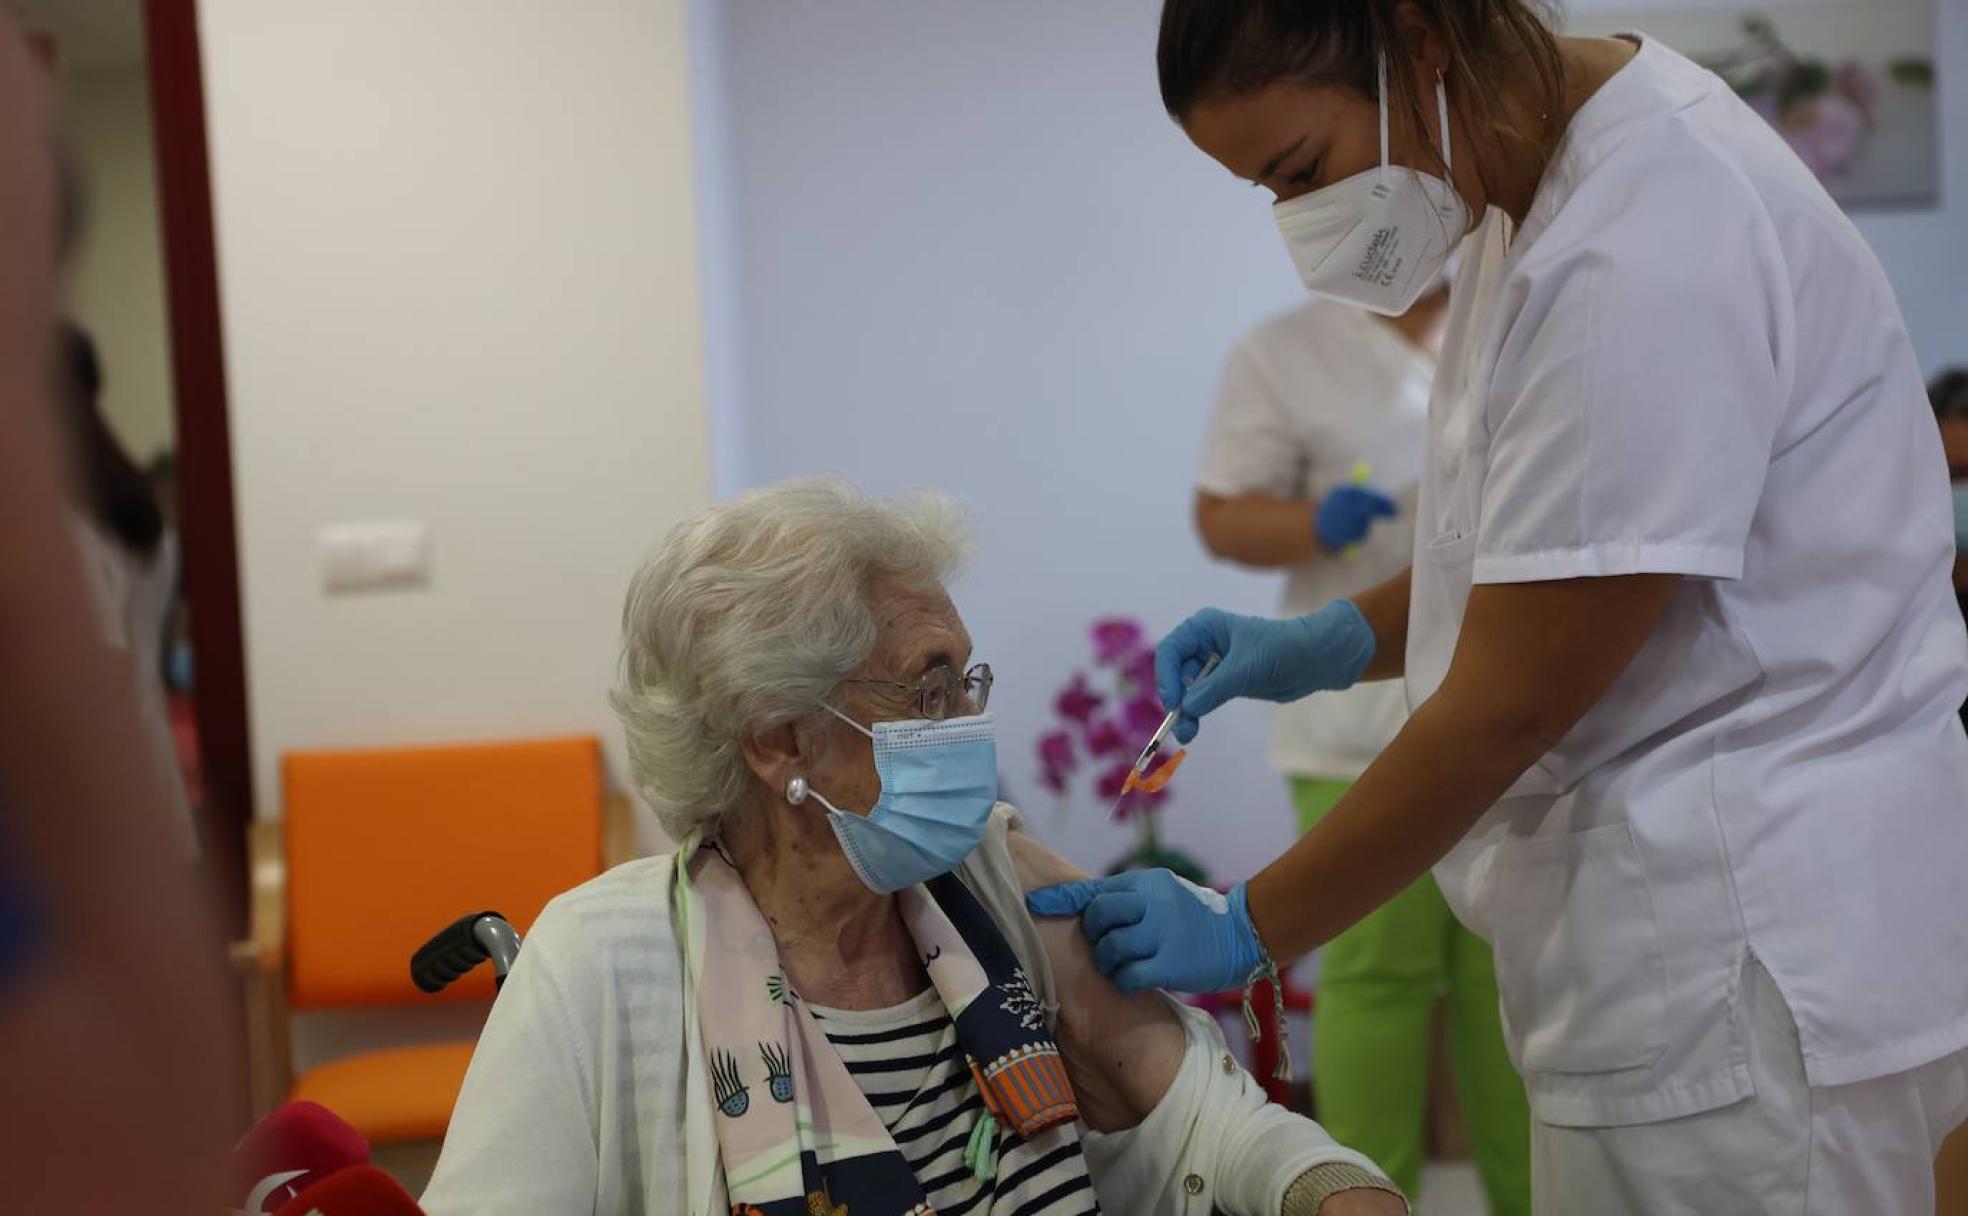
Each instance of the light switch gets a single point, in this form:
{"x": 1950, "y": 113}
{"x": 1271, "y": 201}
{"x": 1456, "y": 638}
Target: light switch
{"x": 388, "y": 556}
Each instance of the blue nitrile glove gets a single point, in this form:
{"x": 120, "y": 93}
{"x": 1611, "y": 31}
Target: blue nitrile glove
{"x": 1345, "y": 515}
{"x": 1961, "y": 519}
{"x": 1156, "y": 929}
{"x": 1268, "y": 659}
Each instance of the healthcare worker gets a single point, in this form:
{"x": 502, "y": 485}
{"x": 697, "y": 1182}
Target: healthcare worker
{"x": 1311, "y": 466}
{"x": 1678, "y": 638}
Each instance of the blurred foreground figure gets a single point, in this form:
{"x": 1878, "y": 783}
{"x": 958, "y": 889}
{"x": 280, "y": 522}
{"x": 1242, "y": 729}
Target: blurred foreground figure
{"x": 129, "y": 554}
{"x": 110, "y": 994}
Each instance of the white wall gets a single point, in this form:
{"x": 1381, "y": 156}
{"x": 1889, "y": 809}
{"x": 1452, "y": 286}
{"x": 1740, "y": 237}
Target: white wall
{"x": 457, "y": 263}
{"x": 976, "y": 255}
{"x": 718, "y": 247}
{"x": 1925, "y": 251}
{"x": 118, "y": 284}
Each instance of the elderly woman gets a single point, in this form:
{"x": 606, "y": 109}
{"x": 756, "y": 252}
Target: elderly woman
{"x": 831, "y": 998}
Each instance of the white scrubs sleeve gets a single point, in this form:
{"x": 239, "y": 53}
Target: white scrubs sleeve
{"x": 1252, "y": 446}
{"x": 1632, "y": 406}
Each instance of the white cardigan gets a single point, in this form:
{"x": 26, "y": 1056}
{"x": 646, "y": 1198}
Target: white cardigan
{"x": 588, "y": 1090}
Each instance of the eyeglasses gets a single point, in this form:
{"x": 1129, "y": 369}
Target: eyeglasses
{"x": 940, "y": 693}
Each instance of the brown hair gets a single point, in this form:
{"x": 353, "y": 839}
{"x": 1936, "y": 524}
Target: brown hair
{"x": 1214, "y": 49}
{"x": 117, "y": 495}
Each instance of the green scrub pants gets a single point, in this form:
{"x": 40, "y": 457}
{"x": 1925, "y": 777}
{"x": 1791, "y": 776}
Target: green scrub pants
{"x": 1377, "y": 988}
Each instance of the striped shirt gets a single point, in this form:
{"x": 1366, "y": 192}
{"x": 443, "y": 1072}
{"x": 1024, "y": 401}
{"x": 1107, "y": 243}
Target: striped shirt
{"x": 908, "y": 1063}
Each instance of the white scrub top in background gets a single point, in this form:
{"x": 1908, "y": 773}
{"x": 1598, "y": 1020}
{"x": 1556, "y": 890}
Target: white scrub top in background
{"x": 133, "y": 595}
{"x": 1306, "y": 396}
{"x": 1687, "y": 361}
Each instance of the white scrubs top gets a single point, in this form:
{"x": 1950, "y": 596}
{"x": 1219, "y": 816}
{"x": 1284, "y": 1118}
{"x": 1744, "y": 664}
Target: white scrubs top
{"x": 1687, "y": 361}
{"x": 133, "y": 597}
{"x": 1307, "y": 395}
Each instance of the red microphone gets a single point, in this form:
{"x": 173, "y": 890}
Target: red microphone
{"x": 290, "y": 1150}
{"x": 361, "y": 1191}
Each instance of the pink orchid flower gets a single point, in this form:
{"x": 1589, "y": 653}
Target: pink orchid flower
{"x": 1056, "y": 752}
{"x": 1115, "y": 640}
{"x": 1112, "y": 779}
{"x": 1077, "y": 702}
{"x": 1143, "y": 714}
{"x": 1104, "y": 737}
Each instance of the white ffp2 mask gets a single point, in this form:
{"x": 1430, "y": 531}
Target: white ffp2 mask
{"x": 1379, "y": 238}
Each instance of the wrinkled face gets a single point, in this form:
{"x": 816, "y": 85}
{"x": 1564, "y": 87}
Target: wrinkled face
{"x": 917, "y": 634}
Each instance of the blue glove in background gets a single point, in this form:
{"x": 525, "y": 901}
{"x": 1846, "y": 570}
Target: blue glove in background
{"x": 1345, "y": 515}
{"x": 1156, "y": 929}
{"x": 1961, "y": 519}
{"x": 1268, "y": 659}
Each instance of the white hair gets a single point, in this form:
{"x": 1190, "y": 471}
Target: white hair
{"x": 748, "y": 616}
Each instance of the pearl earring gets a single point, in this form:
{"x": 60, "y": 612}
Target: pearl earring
{"x": 796, "y": 790}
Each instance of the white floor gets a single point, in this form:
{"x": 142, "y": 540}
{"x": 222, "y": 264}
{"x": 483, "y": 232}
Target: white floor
{"x": 1450, "y": 1188}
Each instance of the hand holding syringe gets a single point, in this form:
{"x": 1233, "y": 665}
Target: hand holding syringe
{"x": 1138, "y": 777}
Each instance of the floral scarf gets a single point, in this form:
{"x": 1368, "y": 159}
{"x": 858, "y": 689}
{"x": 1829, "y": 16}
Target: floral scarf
{"x": 796, "y": 1137}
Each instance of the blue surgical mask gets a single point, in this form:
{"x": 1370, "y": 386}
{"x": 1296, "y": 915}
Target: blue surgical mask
{"x": 939, "y": 781}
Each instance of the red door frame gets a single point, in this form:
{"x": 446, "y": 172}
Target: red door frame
{"x": 206, "y": 507}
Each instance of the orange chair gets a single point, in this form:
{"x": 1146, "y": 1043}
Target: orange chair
{"x": 381, "y": 849}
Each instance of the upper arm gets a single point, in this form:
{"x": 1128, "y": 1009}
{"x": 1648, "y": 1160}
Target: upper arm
{"x": 1206, "y": 512}
{"x": 1122, "y": 1052}
{"x": 522, "y": 1137}
{"x": 1533, "y": 658}
{"x": 1216, "y": 523}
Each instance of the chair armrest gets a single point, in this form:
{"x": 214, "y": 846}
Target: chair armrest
{"x": 265, "y": 949}
{"x": 618, "y": 839}
{"x": 260, "y": 961}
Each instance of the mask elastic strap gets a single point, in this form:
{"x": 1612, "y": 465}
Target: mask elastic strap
{"x": 1441, "y": 108}
{"x": 843, "y": 717}
{"x": 1383, "y": 110}
{"x": 816, "y": 794}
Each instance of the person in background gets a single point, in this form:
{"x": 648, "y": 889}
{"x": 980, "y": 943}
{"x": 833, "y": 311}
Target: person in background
{"x": 112, "y": 1003}
{"x": 1949, "y": 396}
{"x": 176, "y": 667}
{"x": 1321, "y": 415}
{"x": 128, "y": 552}
{"x": 162, "y": 474}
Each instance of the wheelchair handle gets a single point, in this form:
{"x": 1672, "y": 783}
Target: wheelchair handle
{"x": 462, "y": 945}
